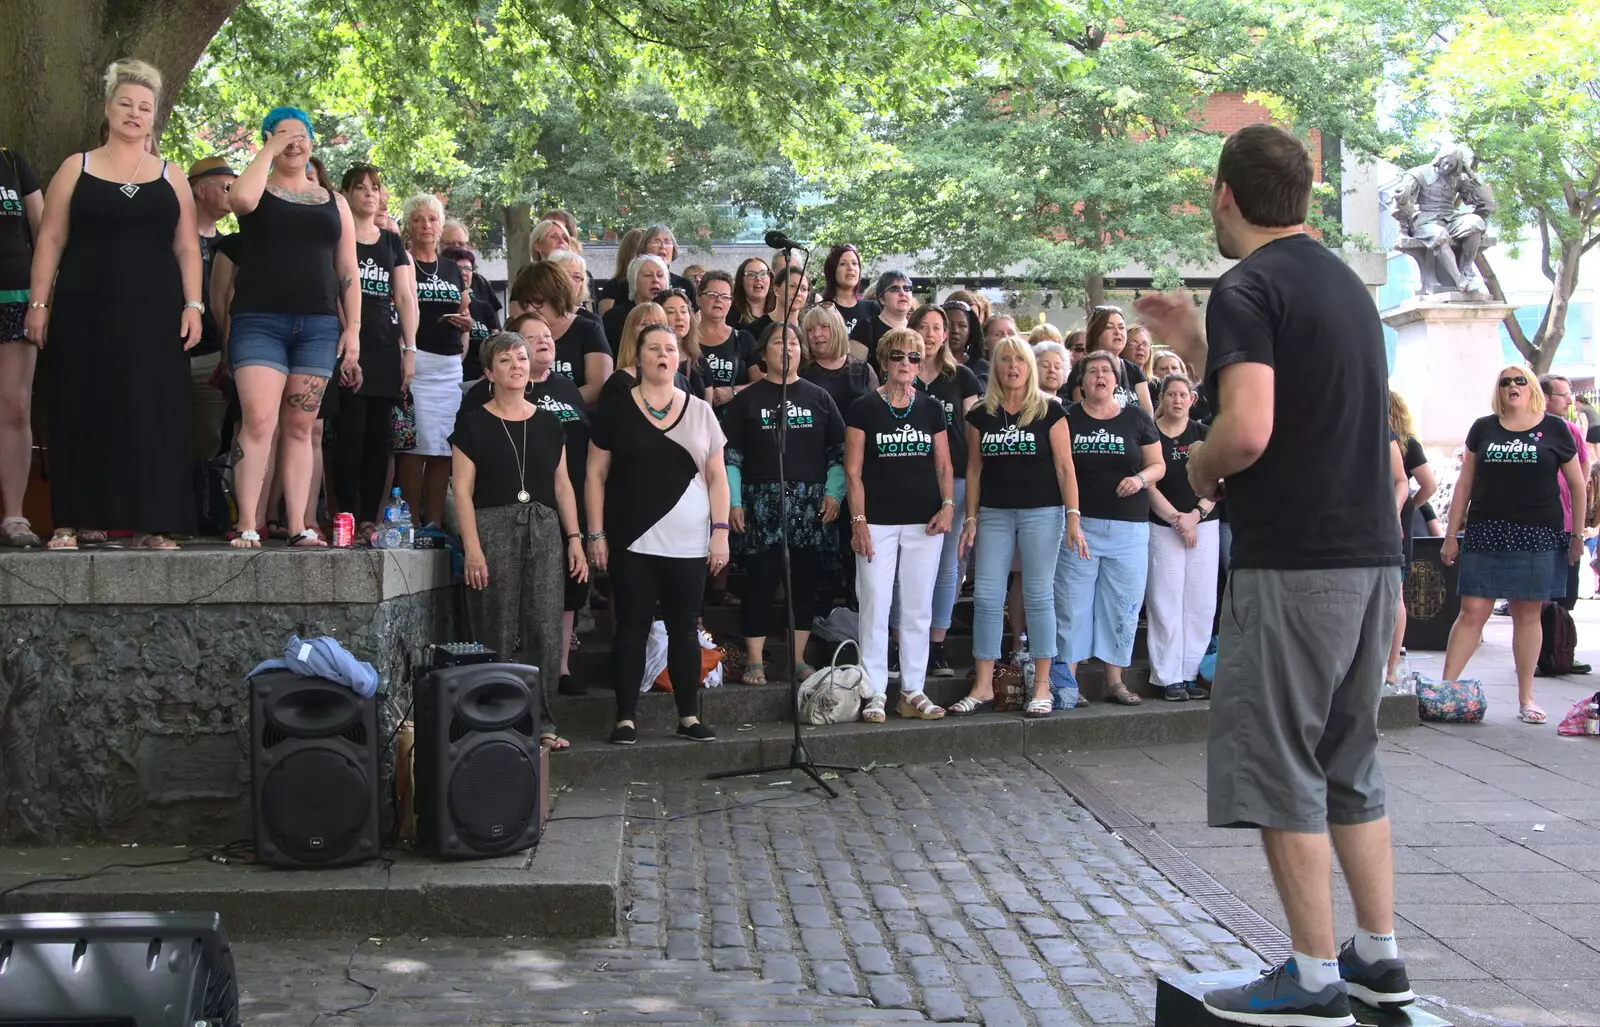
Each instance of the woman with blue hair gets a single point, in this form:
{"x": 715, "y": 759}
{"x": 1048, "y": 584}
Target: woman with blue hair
{"x": 296, "y": 313}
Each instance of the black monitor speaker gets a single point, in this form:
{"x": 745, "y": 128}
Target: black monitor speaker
{"x": 314, "y": 751}
{"x": 116, "y": 970}
{"x": 478, "y": 760}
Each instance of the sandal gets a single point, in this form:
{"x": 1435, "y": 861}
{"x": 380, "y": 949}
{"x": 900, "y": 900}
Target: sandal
{"x": 803, "y": 670}
{"x": 249, "y": 538}
{"x": 1119, "y": 694}
{"x": 308, "y": 539}
{"x": 553, "y": 742}
{"x": 16, "y": 531}
{"x": 93, "y": 537}
{"x": 966, "y": 706}
{"x": 917, "y": 706}
{"x": 63, "y": 538}
{"x": 754, "y": 674}
{"x": 1531, "y": 714}
{"x": 276, "y": 531}
{"x": 1037, "y": 708}
{"x": 1082, "y": 702}
{"x": 152, "y": 541}
{"x": 872, "y": 710}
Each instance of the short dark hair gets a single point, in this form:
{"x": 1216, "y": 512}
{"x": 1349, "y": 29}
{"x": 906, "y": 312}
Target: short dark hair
{"x": 1549, "y": 380}
{"x": 1270, "y": 173}
{"x": 456, "y": 254}
{"x": 547, "y": 282}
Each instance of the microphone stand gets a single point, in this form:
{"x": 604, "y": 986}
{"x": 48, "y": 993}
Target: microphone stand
{"x": 799, "y": 756}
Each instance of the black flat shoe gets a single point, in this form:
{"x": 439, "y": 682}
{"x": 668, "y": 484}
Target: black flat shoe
{"x": 624, "y": 734}
{"x": 567, "y": 686}
{"x": 696, "y": 732}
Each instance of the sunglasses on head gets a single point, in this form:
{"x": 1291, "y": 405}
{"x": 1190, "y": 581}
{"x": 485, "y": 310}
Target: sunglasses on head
{"x": 1518, "y": 380}
{"x": 897, "y": 355}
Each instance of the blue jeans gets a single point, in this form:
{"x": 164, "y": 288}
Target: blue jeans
{"x": 948, "y": 583}
{"x": 1099, "y": 598}
{"x": 1037, "y": 533}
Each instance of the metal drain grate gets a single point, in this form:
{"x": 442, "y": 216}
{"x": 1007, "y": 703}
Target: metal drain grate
{"x": 1264, "y": 939}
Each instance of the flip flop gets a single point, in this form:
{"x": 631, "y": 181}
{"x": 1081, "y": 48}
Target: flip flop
{"x": 555, "y": 743}
{"x": 1119, "y": 694}
{"x": 1531, "y": 714}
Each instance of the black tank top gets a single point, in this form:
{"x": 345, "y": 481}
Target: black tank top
{"x": 286, "y": 258}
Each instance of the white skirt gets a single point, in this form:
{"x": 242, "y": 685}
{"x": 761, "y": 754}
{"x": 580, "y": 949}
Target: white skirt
{"x": 436, "y": 394}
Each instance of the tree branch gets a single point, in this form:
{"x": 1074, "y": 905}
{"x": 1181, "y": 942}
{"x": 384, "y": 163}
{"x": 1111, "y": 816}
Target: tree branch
{"x": 1491, "y": 281}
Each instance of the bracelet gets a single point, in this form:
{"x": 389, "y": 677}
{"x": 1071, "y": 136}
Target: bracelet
{"x": 1142, "y": 482}
{"x": 716, "y": 525}
{"x": 408, "y": 349}
{"x": 948, "y": 502}
{"x": 596, "y": 536}
{"x": 38, "y": 306}
{"x": 859, "y": 519}
{"x": 1074, "y": 510}
{"x": 970, "y": 520}
{"x": 574, "y": 534}
{"x": 194, "y": 305}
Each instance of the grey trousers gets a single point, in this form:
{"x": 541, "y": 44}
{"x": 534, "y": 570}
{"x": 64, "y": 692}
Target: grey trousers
{"x": 519, "y": 612}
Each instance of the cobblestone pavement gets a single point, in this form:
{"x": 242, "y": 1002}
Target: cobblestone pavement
{"x": 967, "y": 892}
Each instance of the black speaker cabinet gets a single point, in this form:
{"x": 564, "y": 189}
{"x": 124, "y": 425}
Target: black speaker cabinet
{"x": 1431, "y": 600}
{"x": 478, "y": 759}
{"x": 314, "y": 751}
{"x": 117, "y": 970}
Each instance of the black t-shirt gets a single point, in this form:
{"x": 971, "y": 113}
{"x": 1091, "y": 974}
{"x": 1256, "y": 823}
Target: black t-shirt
{"x": 1106, "y": 451}
{"x": 857, "y": 317}
{"x": 559, "y": 396}
{"x": 846, "y": 383}
{"x": 440, "y": 286}
{"x": 952, "y": 393}
{"x": 1516, "y": 472}
{"x": 1413, "y": 457}
{"x": 209, "y": 245}
{"x": 17, "y": 182}
{"x": 614, "y": 320}
{"x": 1174, "y": 484}
{"x": 815, "y": 435}
{"x": 497, "y": 449}
{"x": 897, "y": 467}
{"x": 1019, "y": 470}
{"x": 582, "y": 337}
{"x": 729, "y": 364}
{"x": 1592, "y": 437}
{"x": 1129, "y": 375}
{"x": 868, "y": 332}
{"x": 485, "y": 322}
{"x": 380, "y": 336}
{"x": 1294, "y": 306}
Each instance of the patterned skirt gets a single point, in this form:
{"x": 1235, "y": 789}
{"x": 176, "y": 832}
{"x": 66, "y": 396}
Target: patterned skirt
{"x": 762, "y": 519}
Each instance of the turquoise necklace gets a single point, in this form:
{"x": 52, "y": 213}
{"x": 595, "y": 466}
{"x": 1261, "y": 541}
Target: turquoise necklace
{"x": 899, "y": 415}
{"x": 660, "y": 415}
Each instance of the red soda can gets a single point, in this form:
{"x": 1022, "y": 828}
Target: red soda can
{"x": 344, "y": 530}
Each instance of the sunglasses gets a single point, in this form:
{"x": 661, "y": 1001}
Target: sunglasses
{"x": 1518, "y": 380}
{"x": 1079, "y": 348}
{"x": 898, "y": 288}
{"x": 897, "y": 355}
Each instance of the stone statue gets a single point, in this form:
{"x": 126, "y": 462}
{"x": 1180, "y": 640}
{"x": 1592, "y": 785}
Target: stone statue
{"x": 1443, "y": 213}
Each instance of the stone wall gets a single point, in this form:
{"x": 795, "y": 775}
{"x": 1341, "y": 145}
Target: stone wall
{"x": 127, "y": 722}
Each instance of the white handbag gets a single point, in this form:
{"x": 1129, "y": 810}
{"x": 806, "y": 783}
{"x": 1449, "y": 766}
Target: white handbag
{"x": 833, "y": 694}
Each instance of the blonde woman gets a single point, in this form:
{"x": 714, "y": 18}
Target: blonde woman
{"x": 548, "y": 237}
{"x": 115, "y": 294}
{"x": 1414, "y": 464}
{"x": 1044, "y": 331}
{"x": 1022, "y": 494}
{"x": 1140, "y": 350}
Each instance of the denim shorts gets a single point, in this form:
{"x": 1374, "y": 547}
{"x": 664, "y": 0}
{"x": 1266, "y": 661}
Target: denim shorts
{"x": 287, "y": 343}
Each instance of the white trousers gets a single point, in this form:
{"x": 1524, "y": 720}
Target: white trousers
{"x": 909, "y": 553}
{"x": 1179, "y": 602}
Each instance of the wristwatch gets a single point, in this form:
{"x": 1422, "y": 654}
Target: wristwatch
{"x": 195, "y": 305}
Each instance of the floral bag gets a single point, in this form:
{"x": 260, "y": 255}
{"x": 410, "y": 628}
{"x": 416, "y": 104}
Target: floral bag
{"x": 1451, "y": 702}
{"x": 403, "y": 425}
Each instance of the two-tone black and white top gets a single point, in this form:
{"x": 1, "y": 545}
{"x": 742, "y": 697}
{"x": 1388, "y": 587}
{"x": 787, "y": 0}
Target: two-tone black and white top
{"x": 657, "y": 503}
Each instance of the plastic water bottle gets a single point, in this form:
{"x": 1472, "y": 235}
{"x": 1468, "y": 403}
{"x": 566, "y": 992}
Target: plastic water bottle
{"x": 390, "y": 534}
{"x": 408, "y": 531}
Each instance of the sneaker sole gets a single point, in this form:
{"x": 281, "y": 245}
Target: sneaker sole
{"x": 692, "y": 738}
{"x": 1380, "y": 999}
{"x": 944, "y": 672}
{"x": 1280, "y": 1019}
{"x": 629, "y": 741}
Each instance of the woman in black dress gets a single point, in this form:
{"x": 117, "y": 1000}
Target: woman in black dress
{"x": 118, "y": 381}
{"x": 362, "y": 450}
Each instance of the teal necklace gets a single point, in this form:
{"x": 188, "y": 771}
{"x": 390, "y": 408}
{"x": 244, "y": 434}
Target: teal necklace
{"x": 660, "y": 415}
{"x": 899, "y": 415}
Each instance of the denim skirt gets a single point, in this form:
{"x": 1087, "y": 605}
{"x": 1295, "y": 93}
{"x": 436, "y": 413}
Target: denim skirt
{"x": 1514, "y": 575}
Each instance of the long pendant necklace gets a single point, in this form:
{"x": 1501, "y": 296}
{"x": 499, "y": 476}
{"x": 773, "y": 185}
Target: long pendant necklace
{"x": 129, "y": 188}
{"x": 522, "y": 459}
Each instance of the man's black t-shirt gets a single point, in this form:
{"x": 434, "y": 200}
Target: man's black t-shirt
{"x": 815, "y": 431}
{"x": 952, "y": 394}
{"x": 897, "y": 466}
{"x": 17, "y": 182}
{"x": 1174, "y": 484}
{"x": 1294, "y": 306}
{"x": 582, "y": 337}
{"x": 1106, "y": 451}
{"x": 1516, "y": 472}
{"x": 1019, "y": 470}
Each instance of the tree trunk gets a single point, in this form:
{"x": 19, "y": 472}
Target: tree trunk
{"x": 1553, "y": 326}
{"x": 518, "y": 222}
{"x": 54, "y": 53}
{"x": 1094, "y": 292}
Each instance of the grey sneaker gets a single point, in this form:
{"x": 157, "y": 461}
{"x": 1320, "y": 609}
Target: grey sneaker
{"x": 1276, "y": 999}
{"x": 1382, "y": 983}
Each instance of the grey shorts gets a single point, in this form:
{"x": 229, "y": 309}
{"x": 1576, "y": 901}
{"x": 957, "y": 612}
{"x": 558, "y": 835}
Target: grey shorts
{"x": 1294, "y": 708}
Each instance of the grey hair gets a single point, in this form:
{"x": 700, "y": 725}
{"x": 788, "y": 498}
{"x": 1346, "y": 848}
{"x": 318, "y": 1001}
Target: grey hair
{"x": 422, "y": 200}
{"x": 496, "y": 344}
{"x": 453, "y": 223}
{"x": 566, "y": 258}
{"x": 1051, "y": 346}
{"x": 1090, "y": 357}
{"x": 639, "y": 262}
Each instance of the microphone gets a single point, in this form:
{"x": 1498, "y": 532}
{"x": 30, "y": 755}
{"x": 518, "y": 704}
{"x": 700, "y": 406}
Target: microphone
{"x": 778, "y": 241}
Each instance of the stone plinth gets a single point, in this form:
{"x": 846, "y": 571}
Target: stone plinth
{"x": 1444, "y": 363}
{"x": 123, "y": 713}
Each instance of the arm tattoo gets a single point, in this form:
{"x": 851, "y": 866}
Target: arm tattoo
{"x": 344, "y": 282}
{"x": 308, "y": 399}
{"x": 311, "y": 197}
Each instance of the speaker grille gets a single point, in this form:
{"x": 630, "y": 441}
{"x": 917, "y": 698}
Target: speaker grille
{"x": 315, "y": 804}
{"x": 493, "y": 794}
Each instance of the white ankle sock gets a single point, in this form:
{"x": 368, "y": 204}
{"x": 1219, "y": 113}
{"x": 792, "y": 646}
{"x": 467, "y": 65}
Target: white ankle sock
{"x": 1315, "y": 974}
{"x": 1373, "y": 947}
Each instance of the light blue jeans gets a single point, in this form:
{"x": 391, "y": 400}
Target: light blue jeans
{"x": 1098, "y": 599}
{"x": 1037, "y": 533}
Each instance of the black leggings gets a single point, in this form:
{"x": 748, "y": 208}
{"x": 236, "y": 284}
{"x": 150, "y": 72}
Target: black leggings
{"x": 361, "y": 452}
{"x": 762, "y": 574}
{"x": 637, "y": 583}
